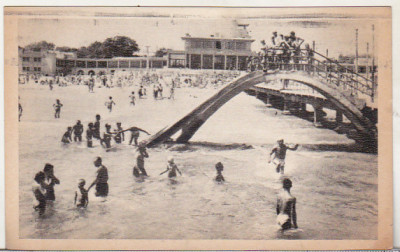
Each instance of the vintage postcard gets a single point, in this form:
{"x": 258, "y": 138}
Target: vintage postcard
{"x": 198, "y": 128}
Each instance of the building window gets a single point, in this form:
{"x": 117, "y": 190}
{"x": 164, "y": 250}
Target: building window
{"x": 230, "y": 45}
{"x": 208, "y": 44}
{"x": 218, "y": 45}
{"x": 37, "y": 59}
{"x": 196, "y": 44}
{"x": 80, "y": 63}
{"x": 91, "y": 64}
{"x": 102, "y": 64}
{"x": 124, "y": 64}
{"x": 25, "y": 68}
{"x": 39, "y": 69}
{"x": 25, "y": 59}
{"x": 240, "y": 45}
{"x": 135, "y": 64}
{"x": 113, "y": 64}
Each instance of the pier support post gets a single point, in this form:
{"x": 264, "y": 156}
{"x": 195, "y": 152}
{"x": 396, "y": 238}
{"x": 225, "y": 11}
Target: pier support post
{"x": 286, "y": 107}
{"x": 318, "y": 114}
{"x": 303, "y": 107}
{"x": 339, "y": 118}
{"x": 269, "y": 101}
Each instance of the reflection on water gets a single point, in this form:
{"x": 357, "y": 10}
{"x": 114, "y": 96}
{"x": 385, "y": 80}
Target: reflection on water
{"x": 335, "y": 186}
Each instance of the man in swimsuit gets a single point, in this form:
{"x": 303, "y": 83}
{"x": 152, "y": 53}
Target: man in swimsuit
{"x": 279, "y": 152}
{"x": 89, "y": 135}
{"x": 141, "y": 154}
{"x": 286, "y": 207}
{"x": 135, "y": 134}
{"x": 78, "y": 130}
{"x": 57, "y": 107}
{"x": 96, "y": 128}
{"x": 39, "y": 191}
{"x": 101, "y": 179}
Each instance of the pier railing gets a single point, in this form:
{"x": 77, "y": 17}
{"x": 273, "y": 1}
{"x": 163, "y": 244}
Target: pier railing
{"x": 316, "y": 64}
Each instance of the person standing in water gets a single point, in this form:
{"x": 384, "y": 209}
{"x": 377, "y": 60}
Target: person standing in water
{"x": 141, "y": 154}
{"x": 286, "y": 207}
{"x": 106, "y": 137}
{"x": 57, "y": 107}
{"x": 120, "y": 135}
{"x": 219, "y": 167}
{"x": 279, "y": 152}
{"x": 78, "y": 130}
{"x": 39, "y": 191}
{"x": 89, "y": 135}
{"x": 171, "y": 168}
{"x": 50, "y": 180}
{"x": 81, "y": 195}
{"x": 135, "y": 132}
{"x": 101, "y": 180}
{"x": 96, "y": 128}
{"x": 19, "y": 110}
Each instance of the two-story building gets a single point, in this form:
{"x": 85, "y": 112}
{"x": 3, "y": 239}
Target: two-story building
{"x": 224, "y": 51}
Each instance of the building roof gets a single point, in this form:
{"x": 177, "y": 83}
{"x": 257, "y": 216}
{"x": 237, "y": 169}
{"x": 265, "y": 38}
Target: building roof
{"x": 223, "y": 30}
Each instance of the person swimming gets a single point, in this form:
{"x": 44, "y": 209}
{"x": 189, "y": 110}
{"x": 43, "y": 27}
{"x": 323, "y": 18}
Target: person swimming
{"x": 81, "y": 195}
{"x": 219, "y": 167}
{"x": 171, "y": 168}
{"x": 286, "y": 207}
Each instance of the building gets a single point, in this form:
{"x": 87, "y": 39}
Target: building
{"x": 36, "y": 61}
{"x": 223, "y": 51}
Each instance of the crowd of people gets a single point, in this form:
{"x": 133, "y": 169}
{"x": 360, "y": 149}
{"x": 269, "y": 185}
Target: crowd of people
{"x": 284, "y": 52}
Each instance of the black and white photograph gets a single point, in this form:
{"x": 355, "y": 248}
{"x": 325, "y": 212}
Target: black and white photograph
{"x": 173, "y": 123}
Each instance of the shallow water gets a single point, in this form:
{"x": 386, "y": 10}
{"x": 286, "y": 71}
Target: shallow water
{"x": 336, "y": 190}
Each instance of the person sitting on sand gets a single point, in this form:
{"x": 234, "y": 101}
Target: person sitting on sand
{"x": 101, "y": 180}
{"x": 279, "y": 152}
{"x": 67, "y": 136}
{"x": 81, "y": 195}
{"x": 39, "y": 191}
{"x": 171, "y": 168}
{"x": 219, "y": 167}
{"x": 286, "y": 207}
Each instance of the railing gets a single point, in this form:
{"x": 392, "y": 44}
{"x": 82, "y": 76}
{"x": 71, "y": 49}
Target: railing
{"x": 317, "y": 64}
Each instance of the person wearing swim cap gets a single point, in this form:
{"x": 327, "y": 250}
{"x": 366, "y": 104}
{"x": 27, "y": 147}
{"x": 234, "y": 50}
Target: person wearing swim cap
{"x": 171, "y": 168}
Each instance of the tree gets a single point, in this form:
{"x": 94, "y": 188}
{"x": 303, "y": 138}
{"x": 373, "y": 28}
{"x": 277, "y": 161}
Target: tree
{"x": 119, "y": 46}
{"x": 161, "y": 52}
{"x": 39, "y": 46}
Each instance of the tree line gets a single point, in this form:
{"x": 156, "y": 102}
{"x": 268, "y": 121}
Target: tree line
{"x": 118, "y": 46}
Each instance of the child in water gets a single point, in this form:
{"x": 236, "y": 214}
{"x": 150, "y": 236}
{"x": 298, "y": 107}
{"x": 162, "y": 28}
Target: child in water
{"x": 57, "y": 107}
{"x": 81, "y": 195}
{"x": 219, "y": 167}
{"x": 171, "y": 168}
{"x": 67, "y": 136}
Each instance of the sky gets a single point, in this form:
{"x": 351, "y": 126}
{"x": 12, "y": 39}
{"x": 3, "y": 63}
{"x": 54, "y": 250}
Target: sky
{"x": 332, "y": 29}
